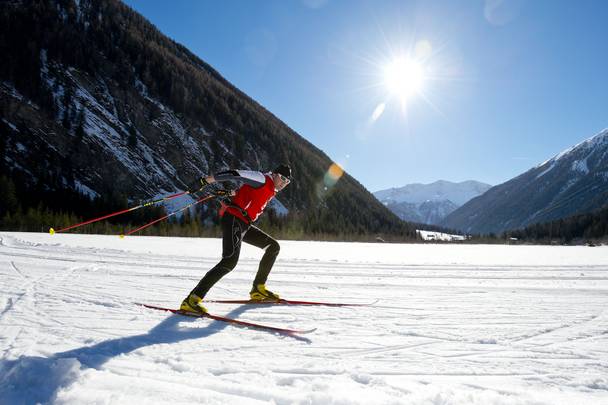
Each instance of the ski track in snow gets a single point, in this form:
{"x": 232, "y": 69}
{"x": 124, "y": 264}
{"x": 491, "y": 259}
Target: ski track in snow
{"x": 454, "y": 324}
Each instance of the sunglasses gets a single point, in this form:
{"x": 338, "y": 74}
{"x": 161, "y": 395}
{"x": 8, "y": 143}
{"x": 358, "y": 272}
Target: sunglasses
{"x": 285, "y": 179}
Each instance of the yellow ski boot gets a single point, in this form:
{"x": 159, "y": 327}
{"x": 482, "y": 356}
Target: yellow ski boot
{"x": 260, "y": 293}
{"x": 193, "y": 303}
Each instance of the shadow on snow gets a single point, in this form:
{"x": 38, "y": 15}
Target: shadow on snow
{"x": 32, "y": 379}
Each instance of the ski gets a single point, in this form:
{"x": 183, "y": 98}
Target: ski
{"x": 290, "y": 302}
{"x": 231, "y": 321}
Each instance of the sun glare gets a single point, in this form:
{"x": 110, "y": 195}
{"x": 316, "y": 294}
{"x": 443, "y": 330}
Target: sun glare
{"x": 404, "y": 78}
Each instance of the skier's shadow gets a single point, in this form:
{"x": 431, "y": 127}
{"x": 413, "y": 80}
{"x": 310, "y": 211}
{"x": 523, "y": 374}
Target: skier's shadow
{"x": 31, "y": 379}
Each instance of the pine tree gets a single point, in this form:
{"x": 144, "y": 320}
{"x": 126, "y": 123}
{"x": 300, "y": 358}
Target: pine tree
{"x": 9, "y": 202}
{"x": 80, "y": 126}
{"x": 132, "y": 140}
{"x": 67, "y": 107}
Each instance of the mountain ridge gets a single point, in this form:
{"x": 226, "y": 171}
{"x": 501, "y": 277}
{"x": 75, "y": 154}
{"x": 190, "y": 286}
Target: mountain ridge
{"x": 574, "y": 181}
{"x": 429, "y": 203}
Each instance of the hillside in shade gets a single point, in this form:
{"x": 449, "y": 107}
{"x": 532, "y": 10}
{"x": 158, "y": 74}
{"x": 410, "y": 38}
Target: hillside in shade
{"x": 94, "y": 100}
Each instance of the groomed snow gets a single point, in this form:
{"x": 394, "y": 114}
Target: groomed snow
{"x": 454, "y": 324}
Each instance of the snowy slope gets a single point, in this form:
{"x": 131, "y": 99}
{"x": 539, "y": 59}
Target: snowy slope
{"x": 586, "y": 148}
{"x": 458, "y": 193}
{"x": 454, "y": 325}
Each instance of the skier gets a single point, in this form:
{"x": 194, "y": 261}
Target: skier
{"x": 237, "y": 219}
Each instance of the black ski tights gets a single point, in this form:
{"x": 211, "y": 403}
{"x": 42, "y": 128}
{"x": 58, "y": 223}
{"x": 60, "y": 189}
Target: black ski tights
{"x": 234, "y": 232}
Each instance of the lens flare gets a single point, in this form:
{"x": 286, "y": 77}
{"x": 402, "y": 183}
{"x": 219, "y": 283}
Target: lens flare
{"x": 377, "y": 112}
{"x": 333, "y": 175}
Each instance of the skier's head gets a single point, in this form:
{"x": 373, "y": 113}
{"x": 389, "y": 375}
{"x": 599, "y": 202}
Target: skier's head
{"x": 281, "y": 176}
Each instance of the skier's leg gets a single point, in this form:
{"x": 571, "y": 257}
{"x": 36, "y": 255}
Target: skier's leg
{"x": 232, "y": 232}
{"x": 256, "y": 237}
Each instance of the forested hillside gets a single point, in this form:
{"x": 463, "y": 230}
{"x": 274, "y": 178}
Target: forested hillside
{"x": 99, "y": 109}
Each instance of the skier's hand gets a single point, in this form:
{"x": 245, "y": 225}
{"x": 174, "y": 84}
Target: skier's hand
{"x": 200, "y": 183}
{"x": 224, "y": 193}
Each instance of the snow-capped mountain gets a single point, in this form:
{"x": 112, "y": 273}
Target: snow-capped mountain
{"x": 572, "y": 182}
{"x": 429, "y": 203}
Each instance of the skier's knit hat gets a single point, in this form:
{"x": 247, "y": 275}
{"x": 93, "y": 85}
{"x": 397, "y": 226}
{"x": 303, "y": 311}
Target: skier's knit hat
{"x": 283, "y": 169}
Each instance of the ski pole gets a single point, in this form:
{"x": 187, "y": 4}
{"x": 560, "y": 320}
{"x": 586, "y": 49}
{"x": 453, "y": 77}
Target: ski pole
{"x": 200, "y": 200}
{"x": 144, "y": 204}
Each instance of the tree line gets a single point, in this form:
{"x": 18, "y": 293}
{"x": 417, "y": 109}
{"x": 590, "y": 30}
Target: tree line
{"x": 591, "y": 226}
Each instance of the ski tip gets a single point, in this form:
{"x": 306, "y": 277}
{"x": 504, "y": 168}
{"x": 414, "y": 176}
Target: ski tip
{"x": 304, "y": 332}
{"x": 52, "y": 231}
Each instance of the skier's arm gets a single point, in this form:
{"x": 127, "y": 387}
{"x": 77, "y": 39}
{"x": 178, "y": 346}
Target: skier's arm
{"x": 250, "y": 177}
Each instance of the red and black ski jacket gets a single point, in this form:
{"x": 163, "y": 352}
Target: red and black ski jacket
{"x": 252, "y": 197}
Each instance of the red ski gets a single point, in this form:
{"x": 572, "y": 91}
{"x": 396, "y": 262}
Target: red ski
{"x": 290, "y": 302}
{"x": 231, "y": 321}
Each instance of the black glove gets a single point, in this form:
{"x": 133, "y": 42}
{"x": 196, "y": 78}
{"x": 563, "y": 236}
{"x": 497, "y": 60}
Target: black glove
{"x": 224, "y": 193}
{"x": 198, "y": 185}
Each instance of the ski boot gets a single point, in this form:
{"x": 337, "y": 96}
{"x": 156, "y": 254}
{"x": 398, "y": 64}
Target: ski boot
{"x": 193, "y": 303}
{"x": 260, "y": 293}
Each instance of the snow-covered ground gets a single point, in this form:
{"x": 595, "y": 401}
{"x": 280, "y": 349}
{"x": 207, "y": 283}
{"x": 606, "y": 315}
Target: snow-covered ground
{"x": 463, "y": 324}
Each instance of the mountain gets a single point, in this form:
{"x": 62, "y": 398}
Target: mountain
{"x": 573, "y": 182}
{"x": 429, "y": 203}
{"x": 95, "y": 100}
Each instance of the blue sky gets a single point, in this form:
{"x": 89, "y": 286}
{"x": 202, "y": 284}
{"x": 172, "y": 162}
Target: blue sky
{"x": 505, "y": 84}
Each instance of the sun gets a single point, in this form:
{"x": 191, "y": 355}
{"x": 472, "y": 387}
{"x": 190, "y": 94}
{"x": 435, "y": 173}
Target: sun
{"x": 404, "y": 77}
